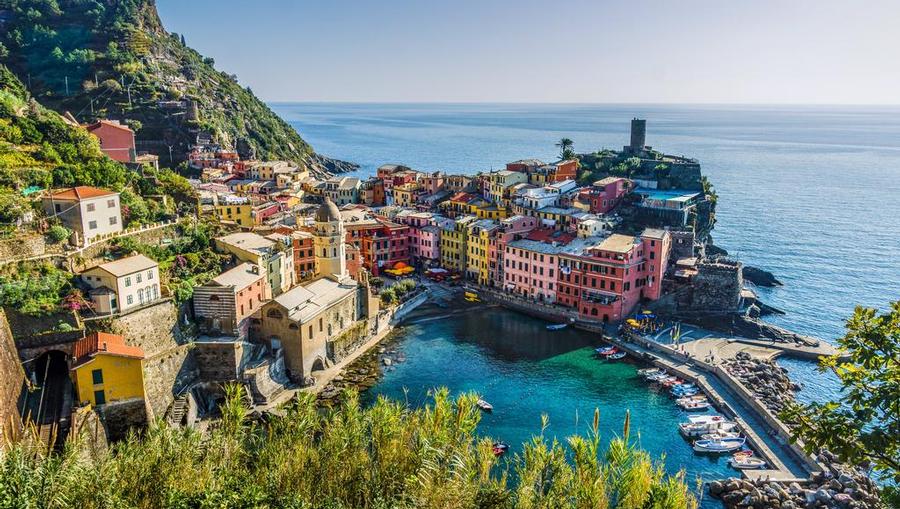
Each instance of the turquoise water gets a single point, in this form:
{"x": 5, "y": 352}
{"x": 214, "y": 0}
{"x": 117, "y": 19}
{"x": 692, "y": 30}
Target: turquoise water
{"x": 526, "y": 371}
{"x": 811, "y": 193}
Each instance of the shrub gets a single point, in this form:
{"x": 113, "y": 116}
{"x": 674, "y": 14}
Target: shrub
{"x": 58, "y": 233}
{"x": 386, "y": 455}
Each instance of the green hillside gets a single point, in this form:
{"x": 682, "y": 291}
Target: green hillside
{"x": 113, "y": 59}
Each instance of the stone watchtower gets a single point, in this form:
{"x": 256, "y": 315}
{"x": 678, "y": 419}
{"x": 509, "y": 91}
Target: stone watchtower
{"x": 638, "y": 136}
{"x": 330, "y": 249}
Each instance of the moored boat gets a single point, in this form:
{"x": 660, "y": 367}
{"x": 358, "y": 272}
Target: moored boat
{"x": 604, "y": 350}
{"x": 695, "y": 406}
{"x": 557, "y": 326}
{"x": 500, "y": 448}
{"x": 484, "y": 405}
{"x": 720, "y": 445}
{"x": 746, "y": 462}
{"x": 649, "y": 371}
{"x": 686, "y": 399}
{"x": 616, "y": 356}
{"x": 717, "y": 435}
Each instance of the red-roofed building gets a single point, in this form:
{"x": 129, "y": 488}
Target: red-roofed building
{"x": 88, "y": 211}
{"x": 106, "y": 369}
{"x": 605, "y": 194}
{"x": 116, "y": 140}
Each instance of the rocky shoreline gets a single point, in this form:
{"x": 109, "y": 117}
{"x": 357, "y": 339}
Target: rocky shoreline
{"x": 364, "y": 372}
{"x": 838, "y": 486}
{"x": 323, "y": 167}
{"x": 768, "y": 381}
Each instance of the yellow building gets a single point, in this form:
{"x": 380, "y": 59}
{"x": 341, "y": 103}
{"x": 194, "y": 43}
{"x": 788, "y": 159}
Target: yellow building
{"x": 500, "y": 182}
{"x": 453, "y": 243}
{"x": 478, "y": 242}
{"x": 484, "y": 209}
{"x": 237, "y": 211}
{"x": 107, "y": 370}
{"x": 405, "y": 194}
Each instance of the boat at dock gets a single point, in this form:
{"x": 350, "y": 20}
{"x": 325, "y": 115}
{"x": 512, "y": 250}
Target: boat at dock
{"x": 685, "y": 399}
{"x": 605, "y": 350}
{"x": 649, "y": 371}
{"x": 557, "y": 326}
{"x": 484, "y": 405}
{"x": 695, "y": 406}
{"x": 616, "y": 356}
{"x": 723, "y": 434}
{"x": 746, "y": 462}
{"x": 699, "y": 425}
{"x": 720, "y": 445}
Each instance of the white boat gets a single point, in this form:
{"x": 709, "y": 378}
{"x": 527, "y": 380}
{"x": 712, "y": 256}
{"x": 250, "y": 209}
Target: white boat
{"x": 688, "y": 399}
{"x": 745, "y": 462}
{"x": 656, "y": 376}
{"x": 695, "y": 406}
{"x": 649, "y": 371}
{"x": 616, "y": 356}
{"x": 484, "y": 405}
{"x": 699, "y": 425}
{"x": 717, "y": 435}
{"x": 557, "y": 326}
{"x": 719, "y": 445}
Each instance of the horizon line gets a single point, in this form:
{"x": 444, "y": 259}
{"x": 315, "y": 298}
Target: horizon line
{"x": 588, "y": 103}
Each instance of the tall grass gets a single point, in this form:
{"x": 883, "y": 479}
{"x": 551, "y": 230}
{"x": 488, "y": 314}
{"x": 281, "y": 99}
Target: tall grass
{"x": 384, "y": 456}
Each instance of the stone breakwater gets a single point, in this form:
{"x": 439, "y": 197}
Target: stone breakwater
{"x": 838, "y": 486}
{"x": 363, "y": 373}
{"x": 767, "y": 381}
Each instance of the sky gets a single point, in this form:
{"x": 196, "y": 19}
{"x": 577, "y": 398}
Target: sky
{"x": 569, "y": 51}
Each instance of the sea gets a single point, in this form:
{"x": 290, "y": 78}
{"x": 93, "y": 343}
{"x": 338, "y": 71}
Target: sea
{"x": 811, "y": 193}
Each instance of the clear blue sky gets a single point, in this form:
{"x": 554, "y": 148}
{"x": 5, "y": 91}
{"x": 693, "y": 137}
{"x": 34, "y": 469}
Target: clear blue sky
{"x": 676, "y": 51}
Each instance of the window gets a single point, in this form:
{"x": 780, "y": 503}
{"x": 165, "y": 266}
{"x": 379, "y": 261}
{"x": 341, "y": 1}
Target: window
{"x": 138, "y": 277}
{"x": 100, "y": 397}
{"x": 110, "y": 204}
{"x": 57, "y": 207}
{"x": 128, "y": 281}
{"x": 274, "y": 313}
{"x": 149, "y": 275}
{"x": 129, "y": 299}
{"x": 97, "y": 376}
{"x": 113, "y": 220}
{"x": 90, "y": 207}
{"x": 92, "y": 225}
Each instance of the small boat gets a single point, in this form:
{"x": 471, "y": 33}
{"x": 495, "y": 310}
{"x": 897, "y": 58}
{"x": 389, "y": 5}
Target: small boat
{"x": 717, "y": 435}
{"x": 604, "y": 350}
{"x": 609, "y": 353}
{"x": 686, "y": 399}
{"x": 656, "y": 376}
{"x": 719, "y": 445}
{"x": 500, "y": 448}
{"x": 484, "y": 405}
{"x": 682, "y": 388}
{"x": 557, "y": 326}
{"x": 743, "y": 452}
{"x": 684, "y": 393}
{"x": 672, "y": 382}
{"x": 699, "y": 425}
{"x": 695, "y": 406}
{"x": 745, "y": 462}
{"x": 616, "y": 356}
{"x": 666, "y": 379}
{"x": 649, "y": 371}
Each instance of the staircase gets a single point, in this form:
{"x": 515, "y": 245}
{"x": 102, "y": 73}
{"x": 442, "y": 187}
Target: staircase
{"x": 179, "y": 410}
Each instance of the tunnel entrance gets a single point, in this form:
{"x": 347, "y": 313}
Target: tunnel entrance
{"x": 49, "y": 404}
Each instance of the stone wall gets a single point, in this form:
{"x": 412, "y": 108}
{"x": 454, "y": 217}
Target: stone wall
{"x": 11, "y": 378}
{"x": 716, "y": 287}
{"x": 219, "y": 361}
{"x": 169, "y": 365}
{"x": 88, "y": 428}
{"x": 120, "y": 416}
{"x": 27, "y": 246}
{"x": 94, "y": 254}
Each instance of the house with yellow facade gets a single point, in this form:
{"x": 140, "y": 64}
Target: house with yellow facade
{"x": 405, "y": 194}
{"x": 236, "y": 209}
{"x": 454, "y": 235}
{"x": 105, "y": 369}
{"x": 499, "y": 183}
{"x": 478, "y": 243}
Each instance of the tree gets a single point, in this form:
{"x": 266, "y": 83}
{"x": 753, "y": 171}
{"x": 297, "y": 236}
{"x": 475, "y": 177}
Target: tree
{"x": 565, "y": 148}
{"x": 863, "y": 428}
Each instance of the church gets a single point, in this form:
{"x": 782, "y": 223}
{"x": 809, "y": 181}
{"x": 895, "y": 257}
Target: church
{"x": 310, "y": 324}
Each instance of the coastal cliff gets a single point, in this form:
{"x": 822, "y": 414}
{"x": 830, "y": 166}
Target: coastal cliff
{"x": 115, "y": 60}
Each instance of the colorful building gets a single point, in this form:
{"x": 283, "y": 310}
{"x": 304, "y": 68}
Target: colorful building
{"x": 605, "y": 194}
{"x": 454, "y": 234}
{"x": 90, "y": 212}
{"x": 478, "y": 250}
{"x": 609, "y": 280}
{"x": 123, "y": 284}
{"x": 116, "y": 140}
{"x": 106, "y": 370}
{"x": 236, "y": 209}
{"x": 225, "y": 303}
{"x": 531, "y": 264}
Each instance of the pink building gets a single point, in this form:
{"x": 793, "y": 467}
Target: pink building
{"x": 116, "y": 140}
{"x": 511, "y": 228}
{"x": 531, "y": 265}
{"x": 609, "y": 280}
{"x": 432, "y": 182}
{"x": 223, "y": 305}
{"x": 605, "y": 194}
{"x": 424, "y": 237}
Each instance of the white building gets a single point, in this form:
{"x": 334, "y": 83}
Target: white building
{"x": 88, "y": 211}
{"x": 123, "y": 284}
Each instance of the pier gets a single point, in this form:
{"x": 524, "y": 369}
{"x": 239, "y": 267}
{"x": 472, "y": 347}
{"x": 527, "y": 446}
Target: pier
{"x": 765, "y": 433}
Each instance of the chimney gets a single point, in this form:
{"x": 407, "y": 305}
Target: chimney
{"x": 254, "y": 269}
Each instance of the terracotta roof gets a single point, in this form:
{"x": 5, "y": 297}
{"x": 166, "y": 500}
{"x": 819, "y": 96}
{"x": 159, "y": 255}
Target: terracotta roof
{"x": 101, "y": 342}
{"x": 81, "y": 193}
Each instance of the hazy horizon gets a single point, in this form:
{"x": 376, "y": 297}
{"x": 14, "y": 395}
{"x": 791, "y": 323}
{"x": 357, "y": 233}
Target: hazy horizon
{"x": 695, "y": 52}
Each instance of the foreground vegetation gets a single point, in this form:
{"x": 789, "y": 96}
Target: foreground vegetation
{"x": 863, "y": 428}
{"x": 383, "y": 456}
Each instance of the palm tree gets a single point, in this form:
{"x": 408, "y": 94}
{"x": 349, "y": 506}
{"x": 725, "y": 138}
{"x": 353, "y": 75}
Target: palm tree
{"x": 565, "y": 148}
